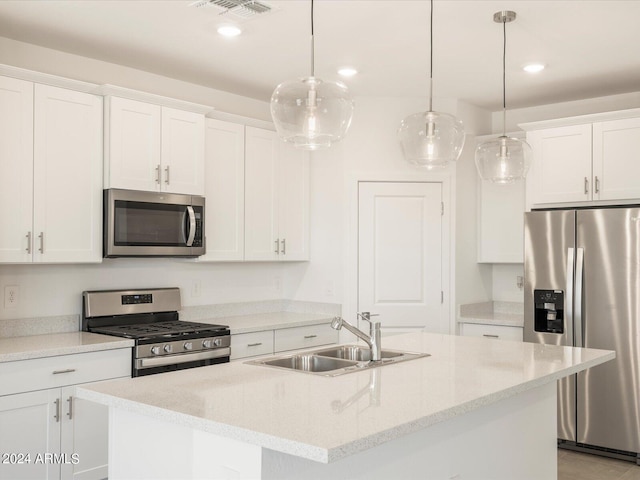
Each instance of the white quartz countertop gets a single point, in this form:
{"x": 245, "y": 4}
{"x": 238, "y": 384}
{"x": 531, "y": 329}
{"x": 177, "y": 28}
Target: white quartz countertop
{"x": 51, "y": 345}
{"x": 268, "y": 321}
{"x": 509, "y": 314}
{"x": 328, "y": 418}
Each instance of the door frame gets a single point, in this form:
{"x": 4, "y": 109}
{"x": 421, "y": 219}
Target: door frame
{"x": 447, "y": 180}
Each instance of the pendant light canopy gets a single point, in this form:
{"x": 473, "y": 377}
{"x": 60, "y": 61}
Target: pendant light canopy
{"x": 504, "y": 159}
{"x": 431, "y": 139}
{"x": 311, "y": 113}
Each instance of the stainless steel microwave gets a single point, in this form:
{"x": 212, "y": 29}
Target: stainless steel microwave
{"x": 152, "y": 224}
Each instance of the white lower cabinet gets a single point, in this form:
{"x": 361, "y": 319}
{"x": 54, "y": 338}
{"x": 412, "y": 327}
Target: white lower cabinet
{"x": 267, "y": 342}
{"x": 501, "y": 332}
{"x": 48, "y": 433}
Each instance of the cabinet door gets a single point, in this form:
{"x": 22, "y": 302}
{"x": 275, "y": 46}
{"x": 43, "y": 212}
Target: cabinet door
{"x": 616, "y": 169}
{"x": 224, "y": 191}
{"x": 132, "y": 145}
{"x": 85, "y": 433}
{"x": 500, "y": 222}
{"x": 67, "y": 212}
{"x": 261, "y": 160}
{"x": 30, "y": 424}
{"x": 16, "y": 169}
{"x": 561, "y": 167}
{"x": 293, "y": 203}
{"x": 182, "y": 152}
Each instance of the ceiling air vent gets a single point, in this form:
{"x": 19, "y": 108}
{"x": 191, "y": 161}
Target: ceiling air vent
{"x": 240, "y": 8}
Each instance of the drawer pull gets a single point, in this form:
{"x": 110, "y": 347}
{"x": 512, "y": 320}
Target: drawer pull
{"x": 310, "y": 336}
{"x": 254, "y": 344}
{"x": 68, "y": 370}
{"x": 490, "y": 336}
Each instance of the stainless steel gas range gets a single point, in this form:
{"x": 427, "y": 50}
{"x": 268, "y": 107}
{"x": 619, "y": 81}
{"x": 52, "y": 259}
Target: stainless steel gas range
{"x": 150, "y": 317}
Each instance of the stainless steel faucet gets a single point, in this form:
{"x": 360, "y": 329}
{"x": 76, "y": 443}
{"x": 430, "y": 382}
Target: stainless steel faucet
{"x": 374, "y": 337}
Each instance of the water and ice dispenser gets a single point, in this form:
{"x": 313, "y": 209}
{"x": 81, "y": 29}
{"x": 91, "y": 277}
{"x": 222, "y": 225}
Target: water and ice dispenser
{"x": 549, "y": 311}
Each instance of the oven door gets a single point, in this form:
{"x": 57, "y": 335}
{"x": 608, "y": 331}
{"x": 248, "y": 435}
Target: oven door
{"x": 142, "y": 224}
{"x": 183, "y": 361}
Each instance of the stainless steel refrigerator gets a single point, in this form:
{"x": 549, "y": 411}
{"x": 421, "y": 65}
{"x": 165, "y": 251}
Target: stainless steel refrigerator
{"x": 582, "y": 288}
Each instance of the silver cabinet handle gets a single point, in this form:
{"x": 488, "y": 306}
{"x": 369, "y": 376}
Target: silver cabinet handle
{"x": 28, "y": 242}
{"x": 254, "y": 344}
{"x": 310, "y": 336}
{"x": 41, "y": 237}
{"x": 284, "y": 246}
{"x": 166, "y": 175}
{"x": 68, "y": 370}
{"x": 158, "y": 174}
{"x": 597, "y": 184}
{"x": 70, "y": 412}
{"x": 490, "y": 336}
{"x": 586, "y": 185}
{"x": 192, "y": 225}
{"x": 57, "y": 415}
{"x": 277, "y": 250}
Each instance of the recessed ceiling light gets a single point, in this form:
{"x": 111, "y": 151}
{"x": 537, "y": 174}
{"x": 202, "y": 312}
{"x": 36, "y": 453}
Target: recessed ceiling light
{"x": 347, "y": 71}
{"x": 533, "y": 67}
{"x": 229, "y": 30}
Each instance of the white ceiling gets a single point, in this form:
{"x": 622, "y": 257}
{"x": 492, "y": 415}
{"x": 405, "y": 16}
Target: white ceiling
{"x": 591, "y": 48}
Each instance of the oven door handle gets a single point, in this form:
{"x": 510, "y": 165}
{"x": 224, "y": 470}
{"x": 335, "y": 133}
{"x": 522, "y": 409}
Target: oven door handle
{"x": 142, "y": 363}
{"x": 192, "y": 225}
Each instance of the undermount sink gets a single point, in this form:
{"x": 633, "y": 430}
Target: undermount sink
{"x": 334, "y": 361}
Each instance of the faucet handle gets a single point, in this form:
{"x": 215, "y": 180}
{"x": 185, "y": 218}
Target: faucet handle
{"x": 367, "y": 316}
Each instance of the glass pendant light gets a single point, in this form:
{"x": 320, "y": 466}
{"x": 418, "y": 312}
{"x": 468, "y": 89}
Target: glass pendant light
{"x": 504, "y": 159}
{"x": 311, "y": 113}
{"x": 431, "y": 139}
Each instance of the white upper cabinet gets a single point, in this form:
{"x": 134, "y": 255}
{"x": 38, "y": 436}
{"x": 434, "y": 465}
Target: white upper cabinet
{"x": 584, "y": 159}
{"x": 616, "y": 169}
{"x": 276, "y": 198}
{"x": 51, "y": 174}
{"x": 16, "y": 170}
{"x": 224, "y": 191}
{"x": 561, "y": 165}
{"x": 153, "y": 148}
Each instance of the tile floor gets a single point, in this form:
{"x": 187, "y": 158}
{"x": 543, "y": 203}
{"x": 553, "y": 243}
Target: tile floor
{"x": 583, "y": 466}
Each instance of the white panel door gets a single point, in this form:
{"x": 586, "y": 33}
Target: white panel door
{"x": 261, "y": 169}
{"x": 616, "y": 168}
{"x": 67, "y": 214}
{"x": 182, "y": 152}
{"x": 30, "y": 424}
{"x": 400, "y": 254}
{"x": 561, "y": 166}
{"x": 16, "y": 169}
{"x": 293, "y": 203}
{"x": 85, "y": 432}
{"x": 224, "y": 191}
{"x": 132, "y": 145}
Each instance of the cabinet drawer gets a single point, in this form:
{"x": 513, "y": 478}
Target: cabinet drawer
{"x": 51, "y": 372}
{"x": 491, "y": 331}
{"x": 301, "y": 337}
{"x": 251, "y": 344}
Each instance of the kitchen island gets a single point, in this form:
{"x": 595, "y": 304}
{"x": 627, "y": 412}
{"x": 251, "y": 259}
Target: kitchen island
{"x": 474, "y": 408}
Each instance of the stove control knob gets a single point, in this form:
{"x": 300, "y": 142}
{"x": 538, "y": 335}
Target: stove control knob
{"x": 168, "y": 348}
{"x": 217, "y": 342}
{"x": 207, "y": 343}
{"x": 155, "y": 350}
{"x": 188, "y": 345}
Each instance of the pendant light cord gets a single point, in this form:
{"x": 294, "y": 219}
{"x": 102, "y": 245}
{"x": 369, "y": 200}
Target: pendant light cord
{"x": 313, "y": 67}
{"x": 504, "y": 77}
{"x": 431, "y": 59}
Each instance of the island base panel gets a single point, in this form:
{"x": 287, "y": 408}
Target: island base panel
{"x": 512, "y": 438}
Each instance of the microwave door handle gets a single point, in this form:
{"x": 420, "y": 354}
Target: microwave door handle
{"x": 192, "y": 226}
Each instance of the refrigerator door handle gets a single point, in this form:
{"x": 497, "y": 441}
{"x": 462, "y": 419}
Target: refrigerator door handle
{"x": 579, "y": 340}
{"x": 569, "y": 289}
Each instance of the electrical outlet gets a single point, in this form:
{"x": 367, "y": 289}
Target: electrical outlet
{"x": 519, "y": 282}
{"x": 196, "y": 288}
{"x": 11, "y": 296}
